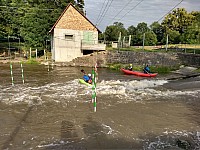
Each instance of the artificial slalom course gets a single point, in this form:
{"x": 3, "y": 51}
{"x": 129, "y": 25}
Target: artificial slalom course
{"x": 94, "y": 80}
{"x": 11, "y": 73}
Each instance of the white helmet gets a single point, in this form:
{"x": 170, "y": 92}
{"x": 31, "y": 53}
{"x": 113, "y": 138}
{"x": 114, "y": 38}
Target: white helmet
{"x": 89, "y": 75}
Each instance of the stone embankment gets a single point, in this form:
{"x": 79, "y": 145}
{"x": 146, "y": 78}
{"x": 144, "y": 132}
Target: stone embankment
{"x": 137, "y": 58}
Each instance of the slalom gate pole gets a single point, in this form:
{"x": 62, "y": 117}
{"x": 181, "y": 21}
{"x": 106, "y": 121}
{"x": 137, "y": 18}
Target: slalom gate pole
{"x": 22, "y": 73}
{"x": 48, "y": 63}
{"x": 94, "y": 100}
{"x": 11, "y": 73}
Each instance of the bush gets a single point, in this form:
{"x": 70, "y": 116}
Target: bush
{"x": 32, "y": 61}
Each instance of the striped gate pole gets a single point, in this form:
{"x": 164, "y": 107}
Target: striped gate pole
{"x": 94, "y": 100}
{"x": 48, "y": 63}
{"x": 11, "y": 73}
{"x": 22, "y": 73}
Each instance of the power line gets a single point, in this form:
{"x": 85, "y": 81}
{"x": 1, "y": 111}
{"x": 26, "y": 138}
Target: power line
{"x": 103, "y": 15}
{"x": 131, "y": 9}
{"x": 121, "y": 10}
{"x": 100, "y": 11}
{"x": 170, "y": 10}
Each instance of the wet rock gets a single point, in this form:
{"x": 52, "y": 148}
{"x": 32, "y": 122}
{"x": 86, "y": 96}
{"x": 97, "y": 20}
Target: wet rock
{"x": 185, "y": 143}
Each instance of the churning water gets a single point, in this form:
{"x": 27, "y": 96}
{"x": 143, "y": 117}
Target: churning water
{"x": 53, "y": 111}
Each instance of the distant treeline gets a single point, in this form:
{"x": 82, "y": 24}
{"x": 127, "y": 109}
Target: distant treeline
{"x": 31, "y": 20}
{"x": 179, "y": 25}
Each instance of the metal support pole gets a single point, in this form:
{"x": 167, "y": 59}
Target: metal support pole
{"x": 36, "y": 53}
{"x": 166, "y": 43}
{"x": 30, "y": 53}
{"x": 143, "y": 41}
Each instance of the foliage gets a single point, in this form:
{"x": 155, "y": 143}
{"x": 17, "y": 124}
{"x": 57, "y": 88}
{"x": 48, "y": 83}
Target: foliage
{"x": 173, "y": 37}
{"x": 178, "y": 20}
{"x": 31, "y": 20}
{"x": 116, "y": 66}
{"x": 112, "y": 32}
{"x": 163, "y": 69}
{"x": 158, "y": 30}
{"x": 150, "y": 38}
{"x": 32, "y": 61}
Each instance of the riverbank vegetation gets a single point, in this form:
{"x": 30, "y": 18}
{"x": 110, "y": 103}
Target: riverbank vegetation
{"x": 26, "y": 23}
{"x": 180, "y": 28}
{"x": 184, "y": 48}
{"x": 154, "y": 69}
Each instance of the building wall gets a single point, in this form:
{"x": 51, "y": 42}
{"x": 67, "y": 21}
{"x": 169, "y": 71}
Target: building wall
{"x": 65, "y": 49}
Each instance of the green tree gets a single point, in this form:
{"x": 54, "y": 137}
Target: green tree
{"x": 158, "y": 30}
{"x": 150, "y": 38}
{"x": 141, "y": 28}
{"x": 131, "y": 30}
{"x": 173, "y": 37}
{"x": 32, "y": 19}
{"x": 112, "y": 32}
{"x": 178, "y": 20}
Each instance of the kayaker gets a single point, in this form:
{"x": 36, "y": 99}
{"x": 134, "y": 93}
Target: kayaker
{"x": 130, "y": 67}
{"x": 146, "y": 69}
{"x": 90, "y": 76}
{"x": 86, "y": 78}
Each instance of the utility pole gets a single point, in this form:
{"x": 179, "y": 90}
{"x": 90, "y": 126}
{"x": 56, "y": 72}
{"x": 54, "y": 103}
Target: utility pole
{"x": 167, "y": 42}
{"x": 119, "y": 40}
{"x": 143, "y": 41}
{"x": 104, "y": 38}
{"x": 129, "y": 41}
{"x": 9, "y": 53}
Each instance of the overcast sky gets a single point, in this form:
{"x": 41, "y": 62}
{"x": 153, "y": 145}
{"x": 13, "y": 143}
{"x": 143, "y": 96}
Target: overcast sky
{"x": 132, "y": 12}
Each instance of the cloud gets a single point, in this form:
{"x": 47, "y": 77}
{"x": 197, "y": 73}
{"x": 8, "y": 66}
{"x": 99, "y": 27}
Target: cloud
{"x": 147, "y": 11}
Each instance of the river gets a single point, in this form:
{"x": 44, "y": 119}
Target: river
{"x": 53, "y": 111}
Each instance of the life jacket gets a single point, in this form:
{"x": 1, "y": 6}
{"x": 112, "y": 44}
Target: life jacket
{"x": 86, "y": 78}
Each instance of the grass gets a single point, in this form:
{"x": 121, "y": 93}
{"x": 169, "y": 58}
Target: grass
{"x": 32, "y": 61}
{"x": 198, "y": 70}
{"x": 188, "y": 48}
{"x": 154, "y": 69}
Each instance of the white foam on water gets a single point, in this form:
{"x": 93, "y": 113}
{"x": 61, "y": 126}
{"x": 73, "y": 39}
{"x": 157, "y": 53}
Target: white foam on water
{"x": 73, "y": 91}
{"x": 110, "y": 130}
{"x": 169, "y": 139}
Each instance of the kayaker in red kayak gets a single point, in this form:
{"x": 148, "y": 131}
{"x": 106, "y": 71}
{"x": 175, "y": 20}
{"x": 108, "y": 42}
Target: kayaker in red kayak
{"x": 146, "y": 69}
{"x": 130, "y": 67}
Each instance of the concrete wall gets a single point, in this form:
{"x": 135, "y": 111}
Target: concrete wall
{"x": 65, "y": 50}
{"x": 189, "y": 59}
{"x": 141, "y": 58}
{"x": 136, "y": 58}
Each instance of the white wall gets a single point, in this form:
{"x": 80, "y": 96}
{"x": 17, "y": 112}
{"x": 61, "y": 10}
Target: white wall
{"x": 66, "y": 50}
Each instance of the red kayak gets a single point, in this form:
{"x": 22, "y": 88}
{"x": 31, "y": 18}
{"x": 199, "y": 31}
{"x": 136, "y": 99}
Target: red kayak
{"x": 139, "y": 73}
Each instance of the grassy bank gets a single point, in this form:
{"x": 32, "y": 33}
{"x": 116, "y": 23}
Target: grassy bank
{"x": 184, "y": 48}
{"x": 157, "y": 69}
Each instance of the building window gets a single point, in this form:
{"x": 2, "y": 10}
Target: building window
{"x": 69, "y": 37}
